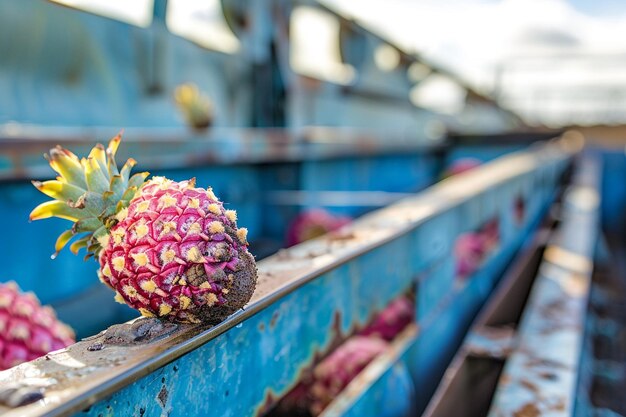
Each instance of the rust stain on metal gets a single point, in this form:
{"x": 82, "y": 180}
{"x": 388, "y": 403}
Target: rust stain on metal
{"x": 550, "y": 376}
{"x": 542, "y": 362}
{"x": 268, "y": 403}
{"x": 274, "y": 320}
{"x": 528, "y": 410}
{"x": 529, "y": 385}
{"x": 559, "y": 406}
{"x": 162, "y": 396}
{"x": 283, "y": 405}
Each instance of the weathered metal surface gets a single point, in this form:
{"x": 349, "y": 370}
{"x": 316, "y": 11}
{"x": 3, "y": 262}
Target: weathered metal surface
{"x": 540, "y": 378}
{"x": 95, "y": 76}
{"x": 491, "y": 342}
{"x": 306, "y": 295}
{"x": 467, "y": 386}
{"x": 425, "y": 355}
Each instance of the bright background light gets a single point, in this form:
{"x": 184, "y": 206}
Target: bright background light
{"x": 202, "y": 22}
{"x": 135, "y": 12}
{"x": 553, "y": 61}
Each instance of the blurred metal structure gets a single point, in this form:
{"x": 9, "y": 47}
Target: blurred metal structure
{"x": 526, "y": 353}
{"x": 75, "y": 77}
{"x": 315, "y": 292}
{"x": 258, "y": 65}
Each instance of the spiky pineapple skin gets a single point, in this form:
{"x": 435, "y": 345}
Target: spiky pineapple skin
{"x": 27, "y": 329}
{"x": 177, "y": 253}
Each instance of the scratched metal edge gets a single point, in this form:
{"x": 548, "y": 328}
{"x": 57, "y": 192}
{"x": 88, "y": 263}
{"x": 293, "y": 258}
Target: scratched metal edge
{"x": 585, "y": 177}
{"x": 131, "y": 374}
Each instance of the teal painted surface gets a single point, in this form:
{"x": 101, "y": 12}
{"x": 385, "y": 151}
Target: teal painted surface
{"x": 235, "y": 373}
{"x": 267, "y": 352}
{"x": 392, "y": 173}
{"x": 614, "y": 193}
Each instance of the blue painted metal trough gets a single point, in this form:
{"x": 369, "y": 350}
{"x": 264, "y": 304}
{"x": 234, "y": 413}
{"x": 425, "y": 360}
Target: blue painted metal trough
{"x": 308, "y": 298}
{"x": 525, "y": 353}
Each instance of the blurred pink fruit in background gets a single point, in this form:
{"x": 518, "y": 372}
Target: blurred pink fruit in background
{"x": 313, "y": 223}
{"x": 459, "y": 166}
{"x": 27, "y": 329}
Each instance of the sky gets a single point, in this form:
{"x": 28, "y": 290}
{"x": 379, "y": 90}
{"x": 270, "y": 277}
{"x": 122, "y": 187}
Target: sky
{"x": 554, "y": 61}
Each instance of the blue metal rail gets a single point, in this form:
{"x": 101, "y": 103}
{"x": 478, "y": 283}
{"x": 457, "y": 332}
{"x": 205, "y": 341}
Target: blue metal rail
{"x": 542, "y": 373}
{"x": 527, "y": 343}
{"x": 309, "y": 296}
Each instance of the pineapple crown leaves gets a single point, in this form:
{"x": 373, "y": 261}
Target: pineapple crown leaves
{"x": 89, "y": 192}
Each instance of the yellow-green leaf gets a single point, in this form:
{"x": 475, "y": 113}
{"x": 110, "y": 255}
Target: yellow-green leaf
{"x": 96, "y": 179}
{"x": 117, "y": 188}
{"x": 125, "y": 172}
{"x": 114, "y": 143}
{"x": 98, "y": 154}
{"x": 87, "y": 225}
{"x": 59, "y": 190}
{"x": 67, "y": 165}
{"x": 128, "y": 195}
{"x": 93, "y": 203}
{"x": 138, "y": 179}
{"x": 62, "y": 240}
{"x": 111, "y": 150}
{"x": 79, "y": 244}
{"x": 102, "y": 231}
{"x": 56, "y": 208}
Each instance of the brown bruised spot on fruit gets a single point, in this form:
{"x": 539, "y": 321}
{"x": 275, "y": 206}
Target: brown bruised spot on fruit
{"x": 196, "y": 275}
{"x": 239, "y": 290}
{"x": 220, "y": 252}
